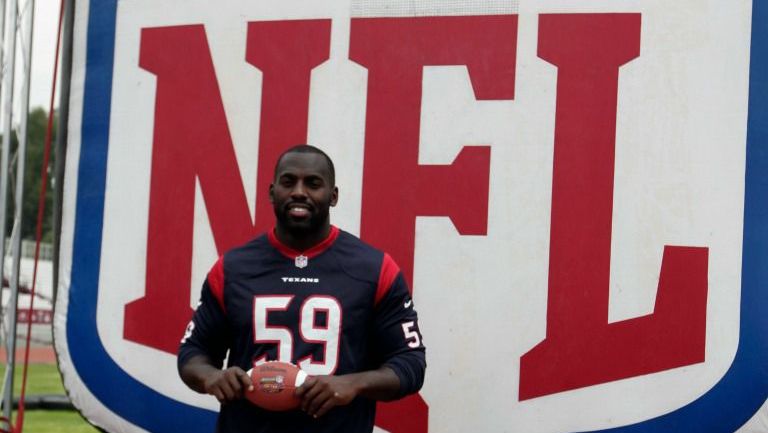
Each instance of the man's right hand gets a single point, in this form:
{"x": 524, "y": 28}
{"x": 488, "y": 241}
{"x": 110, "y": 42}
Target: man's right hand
{"x": 206, "y": 377}
{"x": 228, "y": 385}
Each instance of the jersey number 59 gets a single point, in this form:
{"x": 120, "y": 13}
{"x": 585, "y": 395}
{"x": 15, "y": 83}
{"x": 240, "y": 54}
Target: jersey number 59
{"x": 327, "y": 335}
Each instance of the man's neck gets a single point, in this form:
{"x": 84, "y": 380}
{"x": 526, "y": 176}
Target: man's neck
{"x": 302, "y": 241}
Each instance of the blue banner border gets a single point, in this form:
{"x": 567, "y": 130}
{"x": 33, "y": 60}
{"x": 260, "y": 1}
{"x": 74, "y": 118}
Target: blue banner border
{"x": 105, "y": 379}
{"x": 724, "y": 408}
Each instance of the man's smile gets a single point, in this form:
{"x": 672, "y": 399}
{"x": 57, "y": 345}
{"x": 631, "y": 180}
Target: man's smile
{"x": 297, "y": 210}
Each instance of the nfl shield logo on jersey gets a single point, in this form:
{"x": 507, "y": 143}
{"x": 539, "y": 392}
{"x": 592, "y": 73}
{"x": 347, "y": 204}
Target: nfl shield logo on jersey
{"x": 301, "y": 262}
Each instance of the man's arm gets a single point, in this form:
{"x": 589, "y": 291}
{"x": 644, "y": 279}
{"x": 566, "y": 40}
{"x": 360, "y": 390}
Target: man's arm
{"x": 204, "y": 347}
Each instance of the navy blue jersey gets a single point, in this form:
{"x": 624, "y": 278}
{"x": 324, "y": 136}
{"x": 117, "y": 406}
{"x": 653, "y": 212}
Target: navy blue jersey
{"x": 340, "y": 307}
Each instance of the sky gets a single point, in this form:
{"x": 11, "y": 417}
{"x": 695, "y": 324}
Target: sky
{"x": 43, "y": 51}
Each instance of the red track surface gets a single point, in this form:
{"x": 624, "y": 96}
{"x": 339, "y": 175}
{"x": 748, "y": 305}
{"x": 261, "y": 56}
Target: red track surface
{"x": 37, "y": 355}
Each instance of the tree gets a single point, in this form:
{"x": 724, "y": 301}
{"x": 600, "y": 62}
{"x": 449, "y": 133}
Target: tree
{"x": 37, "y": 124}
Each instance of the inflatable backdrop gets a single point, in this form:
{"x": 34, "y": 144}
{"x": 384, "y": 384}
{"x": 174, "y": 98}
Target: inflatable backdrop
{"x": 577, "y": 191}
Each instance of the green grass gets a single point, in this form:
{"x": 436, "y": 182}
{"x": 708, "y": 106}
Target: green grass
{"x": 56, "y": 421}
{"x": 41, "y": 379}
{"x": 45, "y": 379}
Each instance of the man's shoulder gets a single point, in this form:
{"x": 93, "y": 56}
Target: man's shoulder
{"x": 253, "y": 244}
{"x": 359, "y": 259}
{"x": 248, "y": 253}
{"x": 348, "y": 243}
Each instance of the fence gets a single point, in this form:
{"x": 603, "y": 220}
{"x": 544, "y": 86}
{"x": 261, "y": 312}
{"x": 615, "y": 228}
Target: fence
{"x": 28, "y": 249}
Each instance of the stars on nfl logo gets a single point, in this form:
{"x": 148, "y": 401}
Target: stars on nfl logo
{"x": 301, "y": 261}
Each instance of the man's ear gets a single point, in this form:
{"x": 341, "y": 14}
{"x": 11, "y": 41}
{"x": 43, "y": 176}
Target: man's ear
{"x": 271, "y": 192}
{"x": 335, "y": 196}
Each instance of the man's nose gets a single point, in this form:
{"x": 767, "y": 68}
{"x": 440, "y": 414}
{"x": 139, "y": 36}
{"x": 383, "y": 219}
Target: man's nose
{"x": 299, "y": 190}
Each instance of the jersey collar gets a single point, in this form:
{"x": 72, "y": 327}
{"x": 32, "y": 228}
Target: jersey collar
{"x": 310, "y": 253}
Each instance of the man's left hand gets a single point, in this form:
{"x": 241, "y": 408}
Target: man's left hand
{"x": 319, "y": 394}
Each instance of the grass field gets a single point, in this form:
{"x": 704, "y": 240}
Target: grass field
{"x": 56, "y": 421}
{"x": 45, "y": 379}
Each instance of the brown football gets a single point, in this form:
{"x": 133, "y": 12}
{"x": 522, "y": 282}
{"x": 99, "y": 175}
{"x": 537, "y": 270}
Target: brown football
{"x": 274, "y": 384}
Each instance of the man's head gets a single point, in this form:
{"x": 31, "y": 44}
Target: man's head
{"x": 303, "y": 190}
{"x": 307, "y": 148}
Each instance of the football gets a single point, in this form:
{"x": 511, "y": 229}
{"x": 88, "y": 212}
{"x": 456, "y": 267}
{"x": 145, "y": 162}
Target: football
{"x": 274, "y": 384}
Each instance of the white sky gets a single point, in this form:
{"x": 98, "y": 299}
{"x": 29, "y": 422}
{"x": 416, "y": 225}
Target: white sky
{"x": 43, "y": 50}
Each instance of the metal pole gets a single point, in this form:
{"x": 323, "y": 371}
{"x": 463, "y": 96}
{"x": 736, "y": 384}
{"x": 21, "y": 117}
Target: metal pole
{"x": 28, "y": 17}
{"x": 61, "y": 135}
{"x": 7, "y": 98}
{"x": 3, "y": 199}
{"x": 3, "y": 5}
{"x": 7, "y": 113}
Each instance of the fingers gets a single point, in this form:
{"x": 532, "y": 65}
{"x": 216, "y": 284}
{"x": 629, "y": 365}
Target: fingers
{"x": 229, "y": 384}
{"x": 309, "y": 382}
{"x": 324, "y": 393}
{"x": 226, "y": 387}
{"x": 310, "y": 393}
{"x": 327, "y": 405}
{"x": 234, "y": 382}
{"x": 218, "y": 394}
{"x": 318, "y": 399}
{"x": 245, "y": 380}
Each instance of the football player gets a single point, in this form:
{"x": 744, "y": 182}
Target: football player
{"x": 308, "y": 293}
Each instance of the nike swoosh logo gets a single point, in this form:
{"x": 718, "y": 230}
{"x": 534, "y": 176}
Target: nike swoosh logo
{"x": 408, "y": 304}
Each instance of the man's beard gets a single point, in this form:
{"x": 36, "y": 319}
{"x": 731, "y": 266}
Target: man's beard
{"x": 311, "y": 225}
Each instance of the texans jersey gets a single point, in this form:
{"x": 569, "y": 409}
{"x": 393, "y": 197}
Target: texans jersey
{"x": 340, "y": 307}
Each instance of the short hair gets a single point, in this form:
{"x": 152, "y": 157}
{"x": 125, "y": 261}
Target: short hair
{"x": 308, "y": 148}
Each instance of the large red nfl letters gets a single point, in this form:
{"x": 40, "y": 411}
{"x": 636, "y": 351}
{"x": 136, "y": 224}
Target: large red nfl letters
{"x": 192, "y": 141}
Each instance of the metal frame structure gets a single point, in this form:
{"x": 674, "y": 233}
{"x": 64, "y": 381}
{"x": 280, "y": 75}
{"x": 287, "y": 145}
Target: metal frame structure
{"x": 18, "y": 25}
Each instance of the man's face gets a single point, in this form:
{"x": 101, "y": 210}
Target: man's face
{"x": 302, "y": 193}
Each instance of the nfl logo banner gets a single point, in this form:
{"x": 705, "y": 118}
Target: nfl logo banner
{"x": 576, "y": 192}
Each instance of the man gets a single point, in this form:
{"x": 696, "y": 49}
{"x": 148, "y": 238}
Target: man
{"x": 310, "y": 294}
